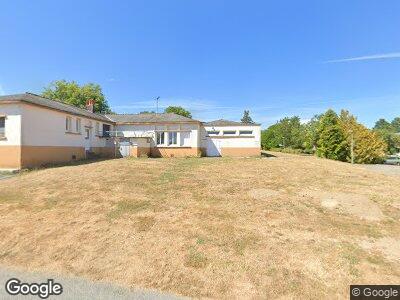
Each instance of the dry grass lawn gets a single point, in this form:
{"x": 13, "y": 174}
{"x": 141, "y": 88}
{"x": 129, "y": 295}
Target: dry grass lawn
{"x": 291, "y": 226}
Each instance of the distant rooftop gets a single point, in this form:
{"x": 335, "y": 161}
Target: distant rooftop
{"x": 222, "y": 122}
{"x": 149, "y": 118}
{"x": 52, "y": 104}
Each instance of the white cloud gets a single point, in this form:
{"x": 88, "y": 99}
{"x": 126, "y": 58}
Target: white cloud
{"x": 367, "y": 57}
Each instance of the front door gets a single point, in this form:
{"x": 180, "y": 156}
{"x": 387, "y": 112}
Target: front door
{"x": 88, "y": 137}
{"x": 124, "y": 148}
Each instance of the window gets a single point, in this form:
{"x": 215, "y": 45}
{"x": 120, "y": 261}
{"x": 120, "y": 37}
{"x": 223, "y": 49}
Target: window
{"x": 87, "y": 133}
{"x": 246, "y": 132}
{"x": 78, "y": 125}
{"x": 229, "y": 132}
{"x": 213, "y": 132}
{"x": 185, "y": 138}
{"x": 97, "y": 128}
{"x": 2, "y": 126}
{"x": 160, "y": 138}
{"x": 172, "y": 138}
{"x": 68, "y": 124}
{"x": 106, "y": 130}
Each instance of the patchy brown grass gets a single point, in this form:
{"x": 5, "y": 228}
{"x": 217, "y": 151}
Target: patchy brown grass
{"x": 291, "y": 226}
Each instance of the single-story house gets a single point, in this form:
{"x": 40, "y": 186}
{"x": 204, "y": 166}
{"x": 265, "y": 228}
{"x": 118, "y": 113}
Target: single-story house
{"x": 36, "y": 131}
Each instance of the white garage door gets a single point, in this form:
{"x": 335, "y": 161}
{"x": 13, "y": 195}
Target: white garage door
{"x": 213, "y": 147}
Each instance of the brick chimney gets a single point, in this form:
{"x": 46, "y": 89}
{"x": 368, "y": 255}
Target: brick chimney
{"x": 90, "y": 105}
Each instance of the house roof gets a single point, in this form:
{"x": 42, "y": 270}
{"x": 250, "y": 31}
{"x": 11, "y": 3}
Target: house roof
{"x": 52, "y": 104}
{"x": 222, "y": 122}
{"x": 150, "y": 118}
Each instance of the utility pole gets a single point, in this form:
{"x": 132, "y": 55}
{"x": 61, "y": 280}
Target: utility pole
{"x": 158, "y": 98}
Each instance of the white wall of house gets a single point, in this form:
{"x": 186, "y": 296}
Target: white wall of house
{"x": 46, "y": 127}
{"x": 12, "y": 113}
{"x": 233, "y": 136}
{"x": 187, "y": 134}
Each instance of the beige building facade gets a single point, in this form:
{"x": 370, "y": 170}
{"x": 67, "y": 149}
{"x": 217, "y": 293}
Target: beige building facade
{"x": 36, "y": 131}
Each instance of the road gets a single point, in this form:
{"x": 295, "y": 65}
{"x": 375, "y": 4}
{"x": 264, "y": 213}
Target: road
{"x": 384, "y": 169}
{"x": 77, "y": 288}
{"x": 6, "y": 175}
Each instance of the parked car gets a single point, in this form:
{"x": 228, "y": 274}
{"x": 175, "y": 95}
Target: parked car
{"x": 393, "y": 160}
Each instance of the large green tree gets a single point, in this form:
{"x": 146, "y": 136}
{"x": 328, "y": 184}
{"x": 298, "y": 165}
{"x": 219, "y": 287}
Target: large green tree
{"x": 72, "y": 93}
{"x": 331, "y": 142}
{"x": 396, "y": 124}
{"x": 389, "y": 132}
{"x": 179, "y": 111}
{"x": 368, "y": 147}
{"x": 311, "y": 133}
{"x": 286, "y": 133}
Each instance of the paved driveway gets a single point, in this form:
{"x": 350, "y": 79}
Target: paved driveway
{"x": 5, "y": 175}
{"x": 384, "y": 169}
{"x": 77, "y": 288}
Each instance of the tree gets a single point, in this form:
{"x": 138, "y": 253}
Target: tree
{"x": 286, "y": 133}
{"x": 389, "y": 133}
{"x": 74, "y": 94}
{"x": 331, "y": 142}
{"x": 179, "y": 111}
{"x": 246, "y": 118}
{"x": 382, "y": 124}
{"x": 368, "y": 146}
{"x": 147, "y": 112}
{"x": 311, "y": 133}
{"x": 396, "y": 124}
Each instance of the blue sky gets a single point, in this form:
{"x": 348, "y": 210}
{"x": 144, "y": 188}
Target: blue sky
{"x": 216, "y": 58}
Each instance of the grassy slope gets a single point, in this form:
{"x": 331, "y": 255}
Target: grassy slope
{"x": 202, "y": 227}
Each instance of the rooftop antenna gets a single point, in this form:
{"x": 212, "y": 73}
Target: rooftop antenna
{"x": 157, "y": 99}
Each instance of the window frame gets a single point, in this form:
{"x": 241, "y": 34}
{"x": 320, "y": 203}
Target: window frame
{"x": 78, "y": 125}
{"x": 213, "y": 132}
{"x": 3, "y": 131}
{"x": 106, "y": 133}
{"x": 245, "y": 132}
{"x": 68, "y": 124}
{"x": 172, "y": 134}
{"x": 229, "y": 132}
{"x": 160, "y": 135}
{"x": 185, "y": 136}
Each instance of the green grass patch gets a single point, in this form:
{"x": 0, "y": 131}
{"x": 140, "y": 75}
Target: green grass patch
{"x": 128, "y": 207}
{"x": 196, "y": 259}
{"x": 352, "y": 254}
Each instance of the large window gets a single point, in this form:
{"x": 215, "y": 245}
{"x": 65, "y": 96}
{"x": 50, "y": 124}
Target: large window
{"x": 68, "y": 124}
{"x": 246, "y": 132}
{"x": 2, "y": 126}
{"x": 213, "y": 132}
{"x": 160, "y": 138}
{"x": 185, "y": 138}
{"x": 229, "y": 132}
{"x": 106, "y": 130}
{"x": 172, "y": 138}
{"x": 78, "y": 125}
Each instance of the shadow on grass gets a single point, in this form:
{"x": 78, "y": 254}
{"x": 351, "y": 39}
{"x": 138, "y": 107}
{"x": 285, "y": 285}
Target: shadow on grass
{"x": 266, "y": 154}
{"x": 66, "y": 164}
